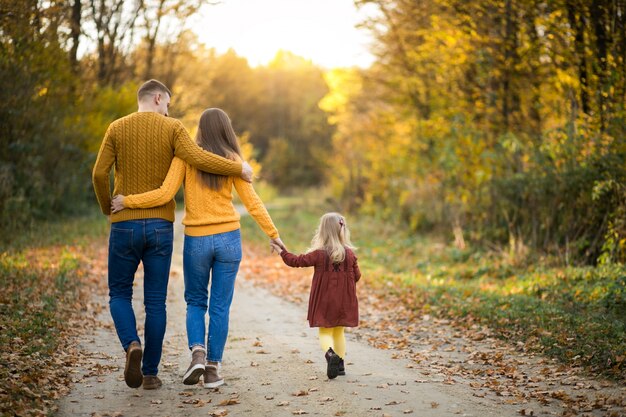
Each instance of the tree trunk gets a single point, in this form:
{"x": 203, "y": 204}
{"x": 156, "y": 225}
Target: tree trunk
{"x": 578, "y": 26}
{"x": 75, "y": 34}
{"x": 598, "y": 17}
{"x": 510, "y": 94}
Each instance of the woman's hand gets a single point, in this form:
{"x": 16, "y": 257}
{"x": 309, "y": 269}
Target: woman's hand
{"x": 117, "y": 204}
{"x": 277, "y": 245}
{"x": 275, "y": 248}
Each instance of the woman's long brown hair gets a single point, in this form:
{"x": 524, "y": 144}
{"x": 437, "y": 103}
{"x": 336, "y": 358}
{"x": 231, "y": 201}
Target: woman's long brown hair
{"x": 216, "y": 135}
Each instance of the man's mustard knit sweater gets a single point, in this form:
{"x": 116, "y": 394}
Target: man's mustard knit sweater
{"x": 142, "y": 146}
{"x": 207, "y": 211}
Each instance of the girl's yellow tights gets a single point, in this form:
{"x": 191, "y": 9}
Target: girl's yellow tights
{"x": 333, "y": 337}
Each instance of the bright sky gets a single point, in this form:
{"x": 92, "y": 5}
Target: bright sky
{"x": 321, "y": 30}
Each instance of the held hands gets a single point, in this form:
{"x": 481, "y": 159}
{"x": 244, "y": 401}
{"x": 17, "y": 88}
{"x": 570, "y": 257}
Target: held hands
{"x": 277, "y": 245}
{"x": 246, "y": 172}
{"x": 117, "y": 204}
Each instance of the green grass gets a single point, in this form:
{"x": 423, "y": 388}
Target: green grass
{"x": 295, "y": 217}
{"x": 74, "y": 230}
{"x": 575, "y": 314}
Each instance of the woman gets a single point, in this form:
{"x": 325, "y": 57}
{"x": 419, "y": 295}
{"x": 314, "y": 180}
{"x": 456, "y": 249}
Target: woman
{"x": 212, "y": 241}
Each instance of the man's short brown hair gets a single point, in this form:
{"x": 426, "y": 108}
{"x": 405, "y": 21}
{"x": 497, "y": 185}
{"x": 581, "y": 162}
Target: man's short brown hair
{"x": 152, "y": 87}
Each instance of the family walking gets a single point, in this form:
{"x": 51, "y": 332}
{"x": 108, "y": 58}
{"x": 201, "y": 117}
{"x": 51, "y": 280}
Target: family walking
{"x": 153, "y": 155}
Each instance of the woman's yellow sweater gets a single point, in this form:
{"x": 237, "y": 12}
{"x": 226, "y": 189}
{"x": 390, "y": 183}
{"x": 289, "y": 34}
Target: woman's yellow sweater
{"x": 207, "y": 211}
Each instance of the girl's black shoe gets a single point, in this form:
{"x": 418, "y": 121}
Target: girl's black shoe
{"x": 333, "y": 360}
{"x": 342, "y": 368}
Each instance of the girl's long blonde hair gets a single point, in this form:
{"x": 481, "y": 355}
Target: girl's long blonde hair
{"x": 333, "y": 236}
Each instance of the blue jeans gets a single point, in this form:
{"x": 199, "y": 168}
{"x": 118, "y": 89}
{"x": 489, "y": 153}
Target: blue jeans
{"x": 133, "y": 241}
{"x": 217, "y": 256}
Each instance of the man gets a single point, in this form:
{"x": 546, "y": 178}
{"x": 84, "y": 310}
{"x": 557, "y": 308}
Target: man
{"x": 142, "y": 145}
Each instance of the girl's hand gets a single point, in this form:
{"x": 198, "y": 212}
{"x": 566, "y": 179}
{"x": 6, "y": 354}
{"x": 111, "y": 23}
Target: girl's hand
{"x": 117, "y": 204}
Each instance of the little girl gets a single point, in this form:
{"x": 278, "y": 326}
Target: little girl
{"x": 332, "y": 303}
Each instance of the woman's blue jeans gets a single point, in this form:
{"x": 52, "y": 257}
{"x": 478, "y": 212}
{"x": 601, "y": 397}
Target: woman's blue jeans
{"x": 133, "y": 241}
{"x": 213, "y": 258}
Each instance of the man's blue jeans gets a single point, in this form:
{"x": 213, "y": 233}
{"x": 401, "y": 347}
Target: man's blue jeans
{"x": 133, "y": 241}
{"x": 217, "y": 256}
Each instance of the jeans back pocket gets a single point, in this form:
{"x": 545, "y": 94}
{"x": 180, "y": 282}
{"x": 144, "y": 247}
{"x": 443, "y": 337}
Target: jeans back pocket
{"x": 121, "y": 242}
{"x": 231, "y": 246}
{"x": 164, "y": 240}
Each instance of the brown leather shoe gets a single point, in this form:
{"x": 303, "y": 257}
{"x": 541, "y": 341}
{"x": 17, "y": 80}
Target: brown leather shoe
{"x": 196, "y": 368}
{"x": 212, "y": 378}
{"x": 132, "y": 370}
{"x": 151, "y": 382}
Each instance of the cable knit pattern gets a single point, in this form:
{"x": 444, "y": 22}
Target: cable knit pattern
{"x": 207, "y": 211}
{"x": 141, "y": 146}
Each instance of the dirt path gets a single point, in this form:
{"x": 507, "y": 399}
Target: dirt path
{"x": 273, "y": 367}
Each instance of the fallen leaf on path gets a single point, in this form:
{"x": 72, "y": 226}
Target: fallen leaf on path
{"x": 269, "y": 397}
{"x": 394, "y": 402}
{"x": 295, "y": 351}
{"x": 434, "y": 404}
{"x": 376, "y": 408}
{"x": 198, "y": 402}
{"x": 254, "y": 364}
{"x": 298, "y": 412}
{"x": 229, "y": 401}
{"x": 191, "y": 401}
{"x": 282, "y": 403}
{"x": 184, "y": 393}
{"x": 325, "y": 399}
{"x": 218, "y": 413}
{"x": 299, "y": 393}
{"x": 99, "y": 397}
{"x": 262, "y": 352}
{"x": 340, "y": 413}
{"x": 407, "y": 412}
{"x": 156, "y": 402}
{"x": 266, "y": 383}
{"x": 526, "y": 412}
{"x": 313, "y": 389}
{"x": 312, "y": 378}
{"x": 258, "y": 343}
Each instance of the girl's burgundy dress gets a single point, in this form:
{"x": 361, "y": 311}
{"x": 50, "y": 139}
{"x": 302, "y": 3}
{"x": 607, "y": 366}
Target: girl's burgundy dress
{"x": 333, "y": 299}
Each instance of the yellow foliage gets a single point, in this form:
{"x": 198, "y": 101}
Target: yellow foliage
{"x": 343, "y": 85}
